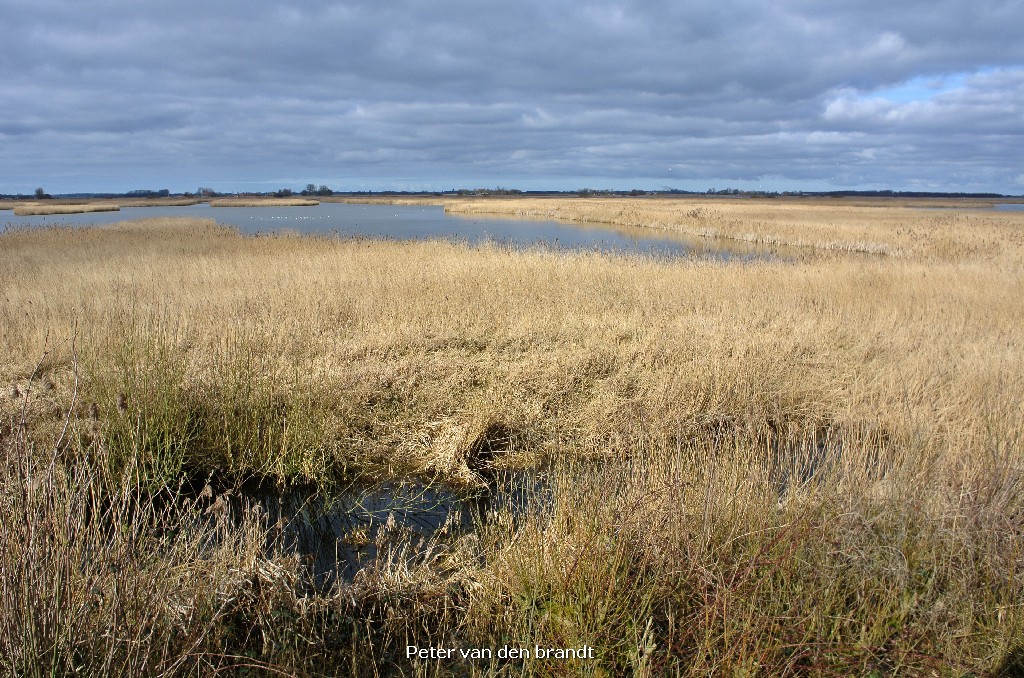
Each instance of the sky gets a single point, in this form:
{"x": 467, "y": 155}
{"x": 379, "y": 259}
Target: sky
{"x": 117, "y": 95}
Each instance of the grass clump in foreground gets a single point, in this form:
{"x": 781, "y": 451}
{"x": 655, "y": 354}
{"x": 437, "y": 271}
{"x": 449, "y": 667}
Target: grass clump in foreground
{"x": 773, "y": 468}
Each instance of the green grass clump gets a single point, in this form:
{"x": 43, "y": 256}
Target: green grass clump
{"x": 240, "y": 418}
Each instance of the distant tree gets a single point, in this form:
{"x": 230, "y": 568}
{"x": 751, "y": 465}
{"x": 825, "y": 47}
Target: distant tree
{"x": 41, "y": 194}
{"x": 323, "y": 190}
{"x": 309, "y": 190}
{"x": 283, "y": 193}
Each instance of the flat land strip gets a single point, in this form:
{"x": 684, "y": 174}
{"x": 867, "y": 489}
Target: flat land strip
{"x": 63, "y": 208}
{"x": 264, "y": 202}
{"x": 795, "y": 467}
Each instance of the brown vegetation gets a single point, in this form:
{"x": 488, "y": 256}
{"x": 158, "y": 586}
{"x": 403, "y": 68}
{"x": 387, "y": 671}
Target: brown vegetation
{"x": 808, "y": 467}
{"x": 63, "y": 208}
{"x": 264, "y": 202}
{"x": 895, "y": 228}
{"x": 158, "y": 202}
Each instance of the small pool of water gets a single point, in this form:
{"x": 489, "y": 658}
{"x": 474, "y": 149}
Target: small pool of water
{"x": 337, "y": 534}
{"x": 422, "y": 222}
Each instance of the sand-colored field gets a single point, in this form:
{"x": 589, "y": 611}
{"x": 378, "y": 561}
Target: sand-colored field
{"x": 264, "y": 202}
{"x": 100, "y": 204}
{"x": 940, "y": 229}
{"x": 63, "y": 208}
{"x": 158, "y": 202}
{"x": 894, "y": 228}
{"x": 807, "y": 467}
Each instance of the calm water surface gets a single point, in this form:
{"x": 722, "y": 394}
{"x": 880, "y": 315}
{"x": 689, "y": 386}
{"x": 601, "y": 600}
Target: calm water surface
{"x": 421, "y": 222}
{"x": 998, "y": 207}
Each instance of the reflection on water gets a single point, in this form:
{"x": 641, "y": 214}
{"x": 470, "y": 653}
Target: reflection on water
{"x": 421, "y": 222}
{"x": 614, "y": 238}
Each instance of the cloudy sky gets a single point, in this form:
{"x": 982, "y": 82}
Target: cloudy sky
{"x": 114, "y": 95}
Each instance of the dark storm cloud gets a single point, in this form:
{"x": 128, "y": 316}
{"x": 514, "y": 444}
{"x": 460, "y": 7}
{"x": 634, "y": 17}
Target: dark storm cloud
{"x": 557, "y": 93}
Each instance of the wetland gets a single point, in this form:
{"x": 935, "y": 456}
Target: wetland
{"x": 417, "y": 222}
{"x": 312, "y": 451}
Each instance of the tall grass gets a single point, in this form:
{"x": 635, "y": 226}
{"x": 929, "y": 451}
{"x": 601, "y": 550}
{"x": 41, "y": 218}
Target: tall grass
{"x": 100, "y": 579}
{"x": 765, "y": 468}
{"x": 63, "y": 208}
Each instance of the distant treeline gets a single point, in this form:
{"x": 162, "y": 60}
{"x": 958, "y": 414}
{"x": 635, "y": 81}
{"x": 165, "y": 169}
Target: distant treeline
{"x": 41, "y": 194}
{"x": 593, "y": 192}
{"x": 905, "y": 194}
{"x": 312, "y": 190}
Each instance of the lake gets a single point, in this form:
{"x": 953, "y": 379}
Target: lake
{"x": 997, "y": 207}
{"x": 421, "y": 222}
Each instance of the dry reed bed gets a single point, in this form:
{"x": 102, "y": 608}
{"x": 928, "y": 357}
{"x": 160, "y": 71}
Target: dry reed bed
{"x": 893, "y": 228}
{"x": 709, "y": 392}
{"x": 43, "y": 208}
{"x": 158, "y": 202}
{"x": 385, "y": 200}
{"x": 848, "y": 340}
{"x": 265, "y": 202}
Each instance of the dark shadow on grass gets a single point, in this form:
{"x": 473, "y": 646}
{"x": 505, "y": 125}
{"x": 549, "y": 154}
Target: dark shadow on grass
{"x": 1013, "y": 664}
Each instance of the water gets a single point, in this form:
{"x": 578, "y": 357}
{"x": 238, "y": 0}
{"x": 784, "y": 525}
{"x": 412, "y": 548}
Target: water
{"x": 340, "y": 533}
{"x": 998, "y": 207}
{"x": 421, "y": 222}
